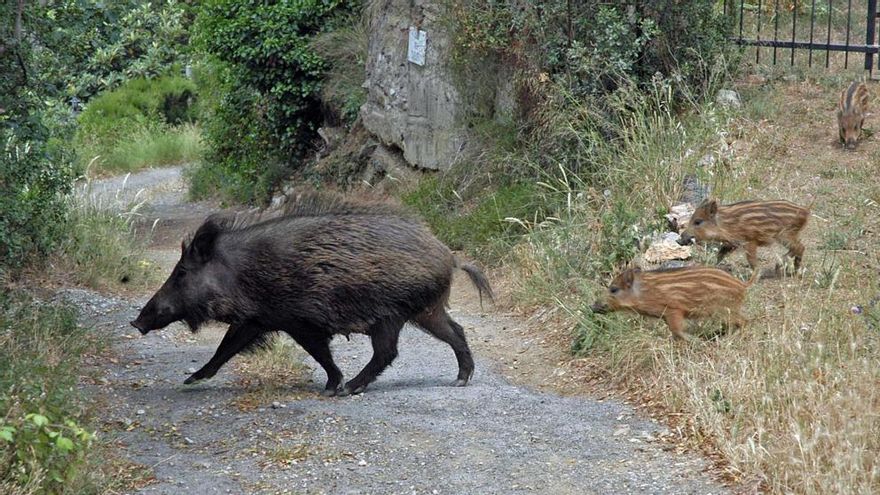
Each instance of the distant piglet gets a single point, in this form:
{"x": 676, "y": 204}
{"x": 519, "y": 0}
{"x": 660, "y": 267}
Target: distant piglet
{"x": 851, "y": 111}
{"x": 749, "y": 224}
{"x": 327, "y": 266}
{"x": 676, "y": 295}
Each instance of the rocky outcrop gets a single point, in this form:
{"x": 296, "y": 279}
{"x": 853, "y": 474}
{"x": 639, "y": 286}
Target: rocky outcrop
{"x": 409, "y": 106}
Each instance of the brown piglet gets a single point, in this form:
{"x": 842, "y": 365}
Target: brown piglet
{"x": 851, "y": 111}
{"x": 749, "y": 224}
{"x": 676, "y": 295}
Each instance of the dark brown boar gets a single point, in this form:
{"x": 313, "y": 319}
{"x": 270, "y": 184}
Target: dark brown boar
{"x": 851, "y": 110}
{"x": 676, "y": 295}
{"x": 748, "y": 224}
{"x": 327, "y": 266}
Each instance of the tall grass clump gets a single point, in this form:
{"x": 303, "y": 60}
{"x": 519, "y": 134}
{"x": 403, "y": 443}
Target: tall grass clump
{"x": 45, "y": 446}
{"x": 102, "y": 248}
{"x": 788, "y": 400}
{"x": 144, "y": 122}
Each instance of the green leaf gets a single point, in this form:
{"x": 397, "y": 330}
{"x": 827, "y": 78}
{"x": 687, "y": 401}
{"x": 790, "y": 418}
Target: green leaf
{"x": 64, "y": 443}
{"x": 37, "y": 419}
{"x": 6, "y": 433}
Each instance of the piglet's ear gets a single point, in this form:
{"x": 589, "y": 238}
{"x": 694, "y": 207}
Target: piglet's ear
{"x": 204, "y": 242}
{"x": 712, "y": 207}
{"x": 628, "y": 276}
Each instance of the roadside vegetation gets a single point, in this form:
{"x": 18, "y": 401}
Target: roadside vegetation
{"x": 51, "y": 234}
{"x": 600, "y": 152}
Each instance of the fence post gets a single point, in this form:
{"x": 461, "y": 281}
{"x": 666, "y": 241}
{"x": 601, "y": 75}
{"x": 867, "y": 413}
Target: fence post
{"x": 870, "y": 34}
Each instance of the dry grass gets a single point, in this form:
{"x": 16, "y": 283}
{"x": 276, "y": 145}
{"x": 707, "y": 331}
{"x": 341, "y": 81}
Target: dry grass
{"x": 273, "y": 373}
{"x": 791, "y": 401}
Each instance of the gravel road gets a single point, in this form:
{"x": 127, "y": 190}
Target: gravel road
{"x": 410, "y": 433}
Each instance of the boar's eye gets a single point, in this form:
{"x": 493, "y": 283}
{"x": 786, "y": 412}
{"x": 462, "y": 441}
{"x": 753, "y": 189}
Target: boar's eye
{"x": 614, "y": 290}
{"x": 697, "y": 223}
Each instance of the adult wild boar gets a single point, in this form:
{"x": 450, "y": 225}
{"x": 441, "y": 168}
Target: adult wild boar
{"x": 327, "y": 266}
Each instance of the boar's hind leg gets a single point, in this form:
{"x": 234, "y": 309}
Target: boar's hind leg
{"x": 439, "y": 324}
{"x": 383, "y": 336}
{"x": 237, "y": 338}
{"x": 318, "y": 346}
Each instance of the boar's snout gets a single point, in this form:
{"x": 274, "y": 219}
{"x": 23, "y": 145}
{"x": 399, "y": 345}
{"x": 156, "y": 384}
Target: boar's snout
{"x": 599, "y": 308}
{"x": 140, "y": 326}
{"x": 850, "y": 144}
{"x": 685, "y": 239}
{"x": 154, "y": 316}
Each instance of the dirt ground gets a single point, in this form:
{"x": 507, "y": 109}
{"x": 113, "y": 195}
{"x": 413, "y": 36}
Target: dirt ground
{"x": 509, "y": 431}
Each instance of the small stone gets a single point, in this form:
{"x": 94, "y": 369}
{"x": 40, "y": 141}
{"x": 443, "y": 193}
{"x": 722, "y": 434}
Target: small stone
{"x": 141, "y": 412}
{"x": 190, "y": 370}
{"x": 276, "y": 405}
{"x": 188, "y": 440}
{"x": 362, "y": 463}
{"x": 623, "y": 430}
{"x": 856, "y": 310}
{"x": 728, "y": 98}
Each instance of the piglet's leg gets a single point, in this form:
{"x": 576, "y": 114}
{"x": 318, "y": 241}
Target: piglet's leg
{"x": 676, "y": 322}
{"x": 237, "y": 338}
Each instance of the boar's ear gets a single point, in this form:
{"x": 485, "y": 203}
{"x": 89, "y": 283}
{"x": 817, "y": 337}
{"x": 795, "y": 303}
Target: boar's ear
{"x": 712, "y": 207}
{"x": 182, "y": 247}
{"x": 202, "y": 245}
{"x": 628, "y": 276}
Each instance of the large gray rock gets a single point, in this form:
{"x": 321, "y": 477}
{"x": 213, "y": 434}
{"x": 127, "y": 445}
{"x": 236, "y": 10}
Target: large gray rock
{"x": 412, "y": 107}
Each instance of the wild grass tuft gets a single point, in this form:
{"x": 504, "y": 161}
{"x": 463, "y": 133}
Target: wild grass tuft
{"x": 101, "y": 248}
{"x": 789, "y": 399}
{"x": 142, "y": 123}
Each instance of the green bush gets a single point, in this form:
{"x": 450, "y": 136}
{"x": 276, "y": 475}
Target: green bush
{"x": 591, "y": 45}
{"x": 92, "y": 47}
{"x": 33, "y": 181}
{"x": 483, "y": 227}
{"x": 267, "y": 115}
{"x": 143, "y": 122}
{"x": 43, "y": 445}
{"x": 241, "y": 162}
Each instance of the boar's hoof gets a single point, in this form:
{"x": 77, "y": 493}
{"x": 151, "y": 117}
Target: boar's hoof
{"x": 193, "y": 379}
{"x": 347, "y": 390}
{"x": 330, "y": 392}
{"x": 461, "y": 382}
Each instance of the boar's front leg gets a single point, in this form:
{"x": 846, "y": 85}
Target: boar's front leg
{"x": 237, "y": 338}
{"x": 318, "y": 346}
{"x": 384, "y": 339}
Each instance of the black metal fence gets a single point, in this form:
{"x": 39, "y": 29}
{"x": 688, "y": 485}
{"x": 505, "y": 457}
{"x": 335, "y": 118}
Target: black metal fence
{"x": 786, "y": 26}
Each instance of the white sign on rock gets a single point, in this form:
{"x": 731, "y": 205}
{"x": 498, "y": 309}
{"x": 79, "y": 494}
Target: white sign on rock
{"x": 418, "y": 41}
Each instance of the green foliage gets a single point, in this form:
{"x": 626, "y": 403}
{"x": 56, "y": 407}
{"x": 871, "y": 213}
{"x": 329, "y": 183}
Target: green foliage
{"x": 481, "y": 227}
{"x": 620, "y": 232}
{"x": 345, "y": 50}
{"x": 268, "y": 110}
{"x": 100, "y": 247}
{"x": 591, "y": 46}
{"x": 140, "y": 123}
{"x": 96, "y": 46}
{"x": 241, "y": 162}
{"x": 43, "y": 445}
{"x": 33, "y": 180}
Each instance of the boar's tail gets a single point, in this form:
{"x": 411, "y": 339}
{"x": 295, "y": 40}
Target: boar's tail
{"x": 478, "y": 279}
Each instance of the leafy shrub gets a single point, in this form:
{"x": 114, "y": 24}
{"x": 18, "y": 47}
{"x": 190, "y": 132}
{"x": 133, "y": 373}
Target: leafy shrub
{"x": 241, "y": 162}
{"x": 92, "y": 47}
{"x": 134, "y": 125}
{"x": 33, "y": 180}
{"x": 345, "y": 51}
{"x": 480, "y": 227}
{"x": 593, "y": 45}
{"x": 270, "y": 108}
{"x": 42, "y": 441}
